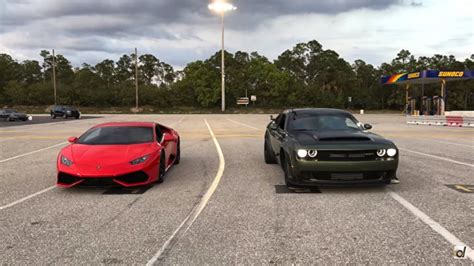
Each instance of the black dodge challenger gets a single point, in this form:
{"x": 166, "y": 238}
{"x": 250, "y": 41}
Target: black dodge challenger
{"x": 328, "y": 147}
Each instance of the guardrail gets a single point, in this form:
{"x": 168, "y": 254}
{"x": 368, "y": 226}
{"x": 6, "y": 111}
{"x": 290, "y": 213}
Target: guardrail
{"x": 450, "y": 121}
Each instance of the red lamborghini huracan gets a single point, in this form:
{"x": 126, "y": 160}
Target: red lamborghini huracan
{"x": 126, "y": 154}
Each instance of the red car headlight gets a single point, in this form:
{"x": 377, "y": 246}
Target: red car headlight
{"x": 66, "y": 161}
{"x": 139, "y": 160}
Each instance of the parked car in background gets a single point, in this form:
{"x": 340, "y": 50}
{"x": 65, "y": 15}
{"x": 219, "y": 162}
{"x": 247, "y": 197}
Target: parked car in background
{"x": 64, "y": 111}
{"x": 12, "y": 115}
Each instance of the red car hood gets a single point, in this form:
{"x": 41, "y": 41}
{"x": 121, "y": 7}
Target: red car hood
{"x": 106, "y": 159}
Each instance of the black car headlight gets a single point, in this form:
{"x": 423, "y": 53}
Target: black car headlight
{"x": 312, "y": 153}
{"x": 139, "y": 160}
{"x": 66, "y": 161}
{"x": 381, "y": 152}
{"x": 302, "y": 153}
{"x": 391, "y": 152}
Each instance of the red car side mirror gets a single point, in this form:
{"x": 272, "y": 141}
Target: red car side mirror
{"x": 72, "y": 139}
{"x": 168, "y": 137}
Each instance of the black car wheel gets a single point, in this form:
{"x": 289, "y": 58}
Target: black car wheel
{"x": 161, "y": 169}
{"x": 77, "y": 117}
{"x": 65, "y": 116}
{"x": 269, "y": 156}
{"x": 178, "y": 153}
{"x": 9, "y": 119}
{"x": 53, "y": 116}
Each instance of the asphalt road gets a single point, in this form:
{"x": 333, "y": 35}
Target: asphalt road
{"x": 223, "y": 208}
{"x": 41, "y": 119}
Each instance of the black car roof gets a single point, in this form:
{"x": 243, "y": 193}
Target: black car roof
{"x": 318, "y": 111}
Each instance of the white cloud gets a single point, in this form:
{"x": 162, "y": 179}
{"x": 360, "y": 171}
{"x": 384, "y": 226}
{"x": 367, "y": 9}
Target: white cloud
{"x": 374, "y": 35}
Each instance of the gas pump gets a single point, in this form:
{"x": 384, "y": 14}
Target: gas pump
{"x": 429, "y": 106}
{"x": 426, "y": 105}
{"x": 412, "y": 106}
{"x": 437, "y": 104}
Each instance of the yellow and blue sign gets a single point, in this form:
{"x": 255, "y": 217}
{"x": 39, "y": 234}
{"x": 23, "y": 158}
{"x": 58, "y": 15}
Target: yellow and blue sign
{"x": 427, "y": 76}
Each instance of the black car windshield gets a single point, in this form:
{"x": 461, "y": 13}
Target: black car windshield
{"x": 117, "y": 135}
{"x": 10, "y": 111}
{"x": 323, "y": 122}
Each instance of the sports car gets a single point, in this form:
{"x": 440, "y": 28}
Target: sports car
{"x": 328, "y": 147}
{"x": 119, "y": 154}
{"x": 13, "y": 115}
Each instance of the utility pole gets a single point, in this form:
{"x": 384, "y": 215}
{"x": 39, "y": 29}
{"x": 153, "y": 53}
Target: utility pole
{"x": 54, "y": 77}
{"x": 136, "y": 79}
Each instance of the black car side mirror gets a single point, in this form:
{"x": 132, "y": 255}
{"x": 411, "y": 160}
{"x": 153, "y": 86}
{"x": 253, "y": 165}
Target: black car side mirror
{"x": 367, "y": 126}
{"x": 271, "y": 118}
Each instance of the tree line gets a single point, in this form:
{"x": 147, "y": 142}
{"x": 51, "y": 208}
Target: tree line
{"x": 305, "y": 76}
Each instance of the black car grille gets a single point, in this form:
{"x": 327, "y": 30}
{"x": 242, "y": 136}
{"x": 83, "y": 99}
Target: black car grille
{"x": 365, "y": 155}
{"x": 67, "y": 179}
{"x": 136, "y": 177}
{"x": 347, "y": 176}
{"x": 98, "y": 182}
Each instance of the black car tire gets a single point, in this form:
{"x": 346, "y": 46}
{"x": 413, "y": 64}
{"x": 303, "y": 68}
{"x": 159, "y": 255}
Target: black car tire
{"x": 287, "y": 170}
{"x": 77, "y": 117}
{"x": 161, "y": 169}
{"x": 178, "y": 153}
{"x": 9, "y": 119}
{"x": 53, "y": 116}
{"x": 65, "y": 116}
{"x": 269, "y": 156}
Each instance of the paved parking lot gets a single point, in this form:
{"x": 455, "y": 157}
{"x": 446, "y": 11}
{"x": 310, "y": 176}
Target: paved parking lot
{"x": 40, "y": 119}
{"x": 244, "y": 220}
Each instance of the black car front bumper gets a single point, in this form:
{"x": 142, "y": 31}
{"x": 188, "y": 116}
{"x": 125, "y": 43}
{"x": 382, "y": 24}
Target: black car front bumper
{"x": 337, "y": 173}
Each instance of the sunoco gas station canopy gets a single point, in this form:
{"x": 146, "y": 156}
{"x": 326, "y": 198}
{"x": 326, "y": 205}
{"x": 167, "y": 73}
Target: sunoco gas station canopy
{"x": 427, "y": 76}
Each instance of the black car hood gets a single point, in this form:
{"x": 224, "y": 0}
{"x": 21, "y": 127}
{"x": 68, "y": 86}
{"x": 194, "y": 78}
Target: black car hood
{"x": 332, "y": 136}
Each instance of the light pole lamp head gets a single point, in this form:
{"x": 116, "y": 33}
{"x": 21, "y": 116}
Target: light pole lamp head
{"x": 221, "y": 6}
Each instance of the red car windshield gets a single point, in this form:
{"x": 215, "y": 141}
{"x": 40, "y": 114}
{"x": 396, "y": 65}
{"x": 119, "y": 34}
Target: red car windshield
{"x": 117, "y": 136}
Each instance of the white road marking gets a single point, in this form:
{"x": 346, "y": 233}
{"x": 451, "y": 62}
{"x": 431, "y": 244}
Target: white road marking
{"x": 451, "y": 143}
{"x": 26, "y": 198}
{"x": 193, "y": 215}
{"x": 438, "y": 157}
{"x": 31, "y": 152}
{"x": 243, "y": 124}
{"x": 433, "y": 224}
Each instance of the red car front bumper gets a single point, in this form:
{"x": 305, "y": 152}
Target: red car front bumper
{"x": 69, "y": 177}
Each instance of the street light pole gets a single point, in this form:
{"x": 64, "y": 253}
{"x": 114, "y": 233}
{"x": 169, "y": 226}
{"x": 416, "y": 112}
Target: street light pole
{"x": 221, "y": 6}
{"x": 222, "y": 66}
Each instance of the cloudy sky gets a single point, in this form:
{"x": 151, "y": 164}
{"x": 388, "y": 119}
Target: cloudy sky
{"x": 180, "y": 31}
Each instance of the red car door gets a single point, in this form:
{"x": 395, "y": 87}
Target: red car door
{"x": 165, "y": 142}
